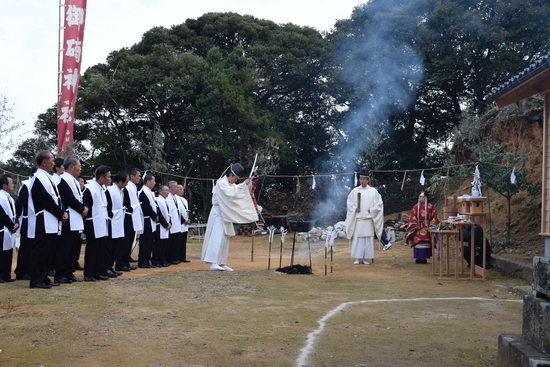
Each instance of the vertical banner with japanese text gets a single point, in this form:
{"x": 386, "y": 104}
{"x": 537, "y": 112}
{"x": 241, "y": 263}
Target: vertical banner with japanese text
{"x": 74, "y": 16}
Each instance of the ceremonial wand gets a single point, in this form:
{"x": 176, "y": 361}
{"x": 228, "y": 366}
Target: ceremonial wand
{"x": 271, "y": 230}
{"x": 328, "y": 243}
{"x": 253, "y": 166}
{"x": 283, "y": 234}
{"x": 254, "y": 187}
{"x": 254, "y": 226}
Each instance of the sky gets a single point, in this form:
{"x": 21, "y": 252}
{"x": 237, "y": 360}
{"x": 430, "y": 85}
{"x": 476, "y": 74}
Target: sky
{"x": 29, "y": 38}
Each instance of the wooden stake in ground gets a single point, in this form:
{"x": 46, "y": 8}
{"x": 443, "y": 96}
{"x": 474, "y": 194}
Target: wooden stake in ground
{"x": 325, "y": 260}
{"x": 252, "y": 249}
{"x": 293, "y": 248}
{"x": 309, "y": 250}
{"x": 331, "y": 256}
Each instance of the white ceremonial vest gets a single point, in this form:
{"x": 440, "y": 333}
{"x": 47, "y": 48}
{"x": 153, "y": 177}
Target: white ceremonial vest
{"x": 8, "y": 205}
{"x": 30, "y": 217}
{"x": 117, "y": 221}
{"x": 163, "y": 207}
{"x": 99, "y": 210}
{"x": 56, "y": 179}
{"x": 51, "y": 223}
{"x": 153, "y": 204}
{"x": 174, "y": 213}
{"x": 76, "y": 222}
{"x": 184, "y": 211}
{"x": 137, "y": 213}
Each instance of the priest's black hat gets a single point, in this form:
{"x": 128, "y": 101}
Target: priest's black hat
{"x": 237, "y": 169}
{"x": 364, "y": 172}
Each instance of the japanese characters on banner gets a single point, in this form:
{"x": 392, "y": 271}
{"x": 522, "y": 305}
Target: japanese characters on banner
{"x": 73, "y": 35}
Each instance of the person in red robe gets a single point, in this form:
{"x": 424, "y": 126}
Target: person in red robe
{"x": 423, "y": 216}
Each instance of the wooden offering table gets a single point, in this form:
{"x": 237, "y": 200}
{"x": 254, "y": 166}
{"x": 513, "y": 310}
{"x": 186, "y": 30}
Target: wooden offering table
{"x": 475, "y": 272}
{"x": 443, "y": 252}
{"x": 451, "y": 261}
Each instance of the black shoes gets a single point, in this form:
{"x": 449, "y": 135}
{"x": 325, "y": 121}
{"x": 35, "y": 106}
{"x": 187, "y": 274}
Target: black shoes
{"x": 23, "y": 277}
{"x": 43, "y": 286}
{"x": 111, "y": 274}
{"x": 185, "y": 261}
{"x": 64, "y": 280}
{"x": 89, "y": 279}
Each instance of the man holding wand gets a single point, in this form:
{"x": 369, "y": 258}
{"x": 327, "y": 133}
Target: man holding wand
{"x": 231, "y": 203}
{"x": 365, "y": 217}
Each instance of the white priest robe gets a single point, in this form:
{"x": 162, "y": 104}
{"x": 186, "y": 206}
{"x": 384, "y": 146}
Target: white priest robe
{"x": 361, "y": 227}
{"x": 231, "y": 203}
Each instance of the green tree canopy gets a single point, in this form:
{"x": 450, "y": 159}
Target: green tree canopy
{"x": 208, "y": 91}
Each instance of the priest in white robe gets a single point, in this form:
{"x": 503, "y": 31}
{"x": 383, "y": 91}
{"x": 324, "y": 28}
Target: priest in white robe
{"x": 364, "y": 219}
{"x": 231, "y": 203}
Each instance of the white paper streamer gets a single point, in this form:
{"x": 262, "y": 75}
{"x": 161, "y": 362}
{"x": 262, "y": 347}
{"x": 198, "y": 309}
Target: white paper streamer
{"x": 283, "y": 234}
{"x": 476, "y": 183}
{"x": 422, "y": 178}
{"x": 331, "y": 234}
{"x": 271, "y": 230}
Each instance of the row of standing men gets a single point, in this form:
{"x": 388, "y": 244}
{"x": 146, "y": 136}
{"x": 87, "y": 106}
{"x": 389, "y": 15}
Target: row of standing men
{"x": 53, "y": 213}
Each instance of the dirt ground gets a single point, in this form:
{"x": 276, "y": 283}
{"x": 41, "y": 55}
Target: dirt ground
{"x": 390, "y": 313}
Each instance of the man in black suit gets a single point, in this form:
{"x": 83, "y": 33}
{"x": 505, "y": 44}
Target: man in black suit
{"x": 184, "y": 209}
{"x": 58, "y": 170}
{"x": 96, "y": 226}
{"x": 132, "y": 220}
{"x": 22, "y": 270}
{"x": 49, "y": 214}
{"x": 162, "y": 234}
{"x": 71, "y": 230}
{"x": 8, "y": 227}
{"x": 150, "y": 218}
